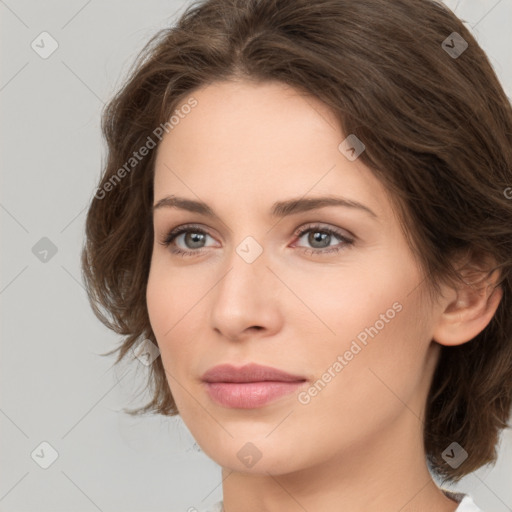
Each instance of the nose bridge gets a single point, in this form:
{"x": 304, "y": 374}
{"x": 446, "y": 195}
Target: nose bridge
{"x": 248, "y": 272}
{"x": 245, "y": 297}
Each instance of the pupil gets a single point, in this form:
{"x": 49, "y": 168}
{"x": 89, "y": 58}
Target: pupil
{"x": 196, "y": 238}
{"x": 317, "y": 236}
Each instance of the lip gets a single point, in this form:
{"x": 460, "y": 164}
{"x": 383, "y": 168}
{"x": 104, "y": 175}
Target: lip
{"x": 248, "y": 373}
{"x": 249, "y": 386}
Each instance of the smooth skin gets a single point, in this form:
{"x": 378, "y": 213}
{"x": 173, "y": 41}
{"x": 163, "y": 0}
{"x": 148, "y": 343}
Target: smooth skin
{"x": 357, "y": 444}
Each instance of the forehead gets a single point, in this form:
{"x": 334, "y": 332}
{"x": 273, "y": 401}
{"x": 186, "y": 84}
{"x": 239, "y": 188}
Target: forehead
{"x": 244, "y": 117}
{"x": 262, "y": 140}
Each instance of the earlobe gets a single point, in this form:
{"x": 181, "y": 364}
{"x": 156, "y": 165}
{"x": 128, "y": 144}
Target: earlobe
{"x": 468, "y": 312}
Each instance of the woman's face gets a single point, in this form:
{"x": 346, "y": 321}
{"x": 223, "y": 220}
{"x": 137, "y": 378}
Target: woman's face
{"x": 341, "y": 306}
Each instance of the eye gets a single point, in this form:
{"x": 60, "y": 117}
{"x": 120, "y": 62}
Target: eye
{"x": 320, "y": 238}
{"x": 193, "y": 237}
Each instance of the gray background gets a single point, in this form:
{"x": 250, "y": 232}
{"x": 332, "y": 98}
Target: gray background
{"x": 54, "y": 385}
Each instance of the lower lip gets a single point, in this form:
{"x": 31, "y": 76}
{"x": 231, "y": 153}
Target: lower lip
{"x": 249, "y": 395}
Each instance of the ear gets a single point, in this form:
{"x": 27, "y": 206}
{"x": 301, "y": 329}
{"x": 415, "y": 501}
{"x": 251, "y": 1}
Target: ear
{"x": 468, "y": 307}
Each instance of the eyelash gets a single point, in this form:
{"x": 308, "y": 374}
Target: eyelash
{"x": 173, "y": 234}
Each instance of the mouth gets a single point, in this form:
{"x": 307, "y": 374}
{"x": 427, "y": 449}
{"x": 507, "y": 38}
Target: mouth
{"x": 250, "y": 386}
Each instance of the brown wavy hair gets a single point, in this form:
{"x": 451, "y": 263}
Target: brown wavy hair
{"x": 438, "y": 134}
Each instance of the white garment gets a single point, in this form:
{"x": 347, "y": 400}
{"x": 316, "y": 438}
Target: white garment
{"x": 465, "y": 501}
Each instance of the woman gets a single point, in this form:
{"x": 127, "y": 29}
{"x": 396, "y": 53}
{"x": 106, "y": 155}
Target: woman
{"x": 305, "y": 208}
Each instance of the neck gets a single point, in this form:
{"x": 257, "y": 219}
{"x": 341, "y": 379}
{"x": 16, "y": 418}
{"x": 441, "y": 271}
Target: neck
{"x": 388, "y": 475}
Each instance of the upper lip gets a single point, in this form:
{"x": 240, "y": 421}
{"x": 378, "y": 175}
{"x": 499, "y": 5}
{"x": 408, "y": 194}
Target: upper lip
{"x": 248, "y": 373}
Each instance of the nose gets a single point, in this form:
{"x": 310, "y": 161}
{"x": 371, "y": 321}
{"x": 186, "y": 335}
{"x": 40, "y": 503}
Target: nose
{"x": 246, "y": 301}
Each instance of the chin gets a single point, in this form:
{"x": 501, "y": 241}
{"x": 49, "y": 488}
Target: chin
{"x": 252, "y": 454}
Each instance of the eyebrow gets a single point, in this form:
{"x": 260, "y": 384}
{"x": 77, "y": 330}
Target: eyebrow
{"x": 279, "y": 209}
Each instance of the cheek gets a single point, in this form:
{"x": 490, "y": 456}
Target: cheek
{"x": 169, "y": 296}
{"x": 176, "y": 308}
{"x": 160, "y": 302}
{"x": 165, "y": 308}
{"x": 167, "y": 303}
{"x": 378, "y": 369}
{"x": 369, "y": 337}
{"x": 340, "y": 303}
